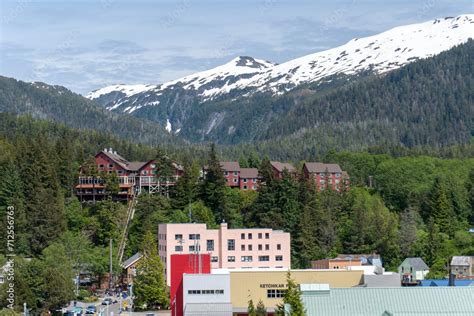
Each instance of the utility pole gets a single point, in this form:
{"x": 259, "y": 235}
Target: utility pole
{"x": 110, "y": 264}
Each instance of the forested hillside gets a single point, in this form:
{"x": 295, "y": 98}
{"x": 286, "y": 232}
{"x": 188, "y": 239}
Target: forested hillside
{"x": 426, "y": 103}
{"x": 58, "y": 104}
{"x": 397, "y": 206}
{"x": 429, "y": 102}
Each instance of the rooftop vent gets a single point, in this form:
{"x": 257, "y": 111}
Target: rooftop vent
{"x": 315, "y": 289}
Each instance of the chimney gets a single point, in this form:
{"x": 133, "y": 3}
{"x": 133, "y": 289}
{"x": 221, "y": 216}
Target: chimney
{"x": 115, "y": 152}
{"x": 110, "y": 150}
{"x": 105, "y": 150}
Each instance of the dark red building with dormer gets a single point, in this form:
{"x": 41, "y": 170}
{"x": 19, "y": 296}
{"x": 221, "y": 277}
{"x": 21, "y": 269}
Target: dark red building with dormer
{"x": 133, "y": 177}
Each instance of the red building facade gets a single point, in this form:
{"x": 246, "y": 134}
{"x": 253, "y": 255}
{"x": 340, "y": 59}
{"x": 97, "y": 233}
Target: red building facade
{"x": 180, "y": 264}
{"x": 326, "y": 176}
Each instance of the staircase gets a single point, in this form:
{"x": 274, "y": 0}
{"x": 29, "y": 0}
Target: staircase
{"x": 123, "y": 240}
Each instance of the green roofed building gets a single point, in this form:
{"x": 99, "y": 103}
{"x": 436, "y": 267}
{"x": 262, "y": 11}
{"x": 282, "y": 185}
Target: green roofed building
{"x": 319, "y": 299}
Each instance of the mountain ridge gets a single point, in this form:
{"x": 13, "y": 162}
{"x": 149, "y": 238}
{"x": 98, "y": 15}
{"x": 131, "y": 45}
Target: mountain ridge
{"x": 244, "y": 76}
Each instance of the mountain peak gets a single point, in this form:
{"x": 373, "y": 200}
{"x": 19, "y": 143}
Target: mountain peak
{"x": 245, "y": 75}
{"x": 247, "y": 61}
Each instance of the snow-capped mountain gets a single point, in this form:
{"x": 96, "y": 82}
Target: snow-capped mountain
{"x": 169, "y": 102}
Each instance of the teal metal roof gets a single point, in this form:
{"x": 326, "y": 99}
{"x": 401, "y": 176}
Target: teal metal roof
{"x": 419, "y": 301}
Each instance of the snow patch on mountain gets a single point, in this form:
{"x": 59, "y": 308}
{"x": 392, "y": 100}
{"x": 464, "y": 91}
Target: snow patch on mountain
{"x": 379, "y": 53}
{"x": 127, "y": 90}
{"x": 168, "y": 125}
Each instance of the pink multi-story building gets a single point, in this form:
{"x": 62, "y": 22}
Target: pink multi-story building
{"x": 229, "y": 248}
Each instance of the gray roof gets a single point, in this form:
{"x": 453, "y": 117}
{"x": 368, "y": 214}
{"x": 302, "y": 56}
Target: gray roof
{"x": 127, "y": 263}
{"x": 461, "y": 261}
{"x": 230, "y": 165}
{"x": 382, "y": 280}
{"x": 420, "y": 301}
{"x": 249, "y": 173}
{"x": 280, "y": 166}
{"x": 122, "y": 162}
{"x": 136, "y": 165}
{"x": 317, "y": 167}
{"x": 417, "y": 263}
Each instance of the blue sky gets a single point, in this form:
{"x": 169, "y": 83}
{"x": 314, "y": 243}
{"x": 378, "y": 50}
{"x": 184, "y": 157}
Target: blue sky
{"x": 87, "y": 44}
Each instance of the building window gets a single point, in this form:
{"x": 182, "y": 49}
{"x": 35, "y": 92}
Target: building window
{"x": 250, "y": 235}
{"x": 231, "y": 244}
{"x": 192, "y": 248}
{"x": 267, "y": 247}
{"x": 210, "y": 245}
{"x": 278, "y": 258}
{"x": 254, "y": 187}
{"x": 178, "y": 248}
{"x": 250, "y": 247}
{"x": 267, "y": 235}
{"x": 235, "y": 180}
{"x": 278, "y": 246}
{"x": 226, "y": 173}
{"x": 230, "y": 259}
{"x": 275, "y": 293}
{"x": 263, "y": 258}
{"x": 194, "y": 236}
{"x": 244, "y": 187}
{"x": 245, "y": 180}
{"x": 214, "y": 259}
{"x": 260, "y": 247}
{"x": 259, "y": 235}
{"x": 236, "y": 173}
{"x": 111, "y": 166}
{"x": 178, "y": 237}
{"x": 101, "y": 166}
{"x": 242, "y": 247}
{"x": 246, "y": 258}
{"x": 242, "y": 236}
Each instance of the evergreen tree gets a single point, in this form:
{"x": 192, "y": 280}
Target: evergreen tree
{"x": 164, "y": 165}
{"x": 57, "y": 276}
{"x": 186, "y": 190}
{"x": 292, "y": 298}
{"x": 407, "y": 231}
{"x": 43, "y": 198}
{"x": 261, "y": 310}
{"x": 251, "y": 308}
{"x": 213, "y": 187}
{"x": 150, "y": 284}
{"x": 441, "y": 208}
{"x": 111, "y": 184}
{"x": 306, "y": 245}
{"x": 470, "y": 193}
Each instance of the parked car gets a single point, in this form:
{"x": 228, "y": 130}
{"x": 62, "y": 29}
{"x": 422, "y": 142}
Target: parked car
{"x": 75, "y": 311}
{"x": 107, "y": 301}
{"x": 91, "y": 309}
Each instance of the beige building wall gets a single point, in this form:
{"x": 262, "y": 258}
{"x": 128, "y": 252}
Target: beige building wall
{"x": 255, "y": 284}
